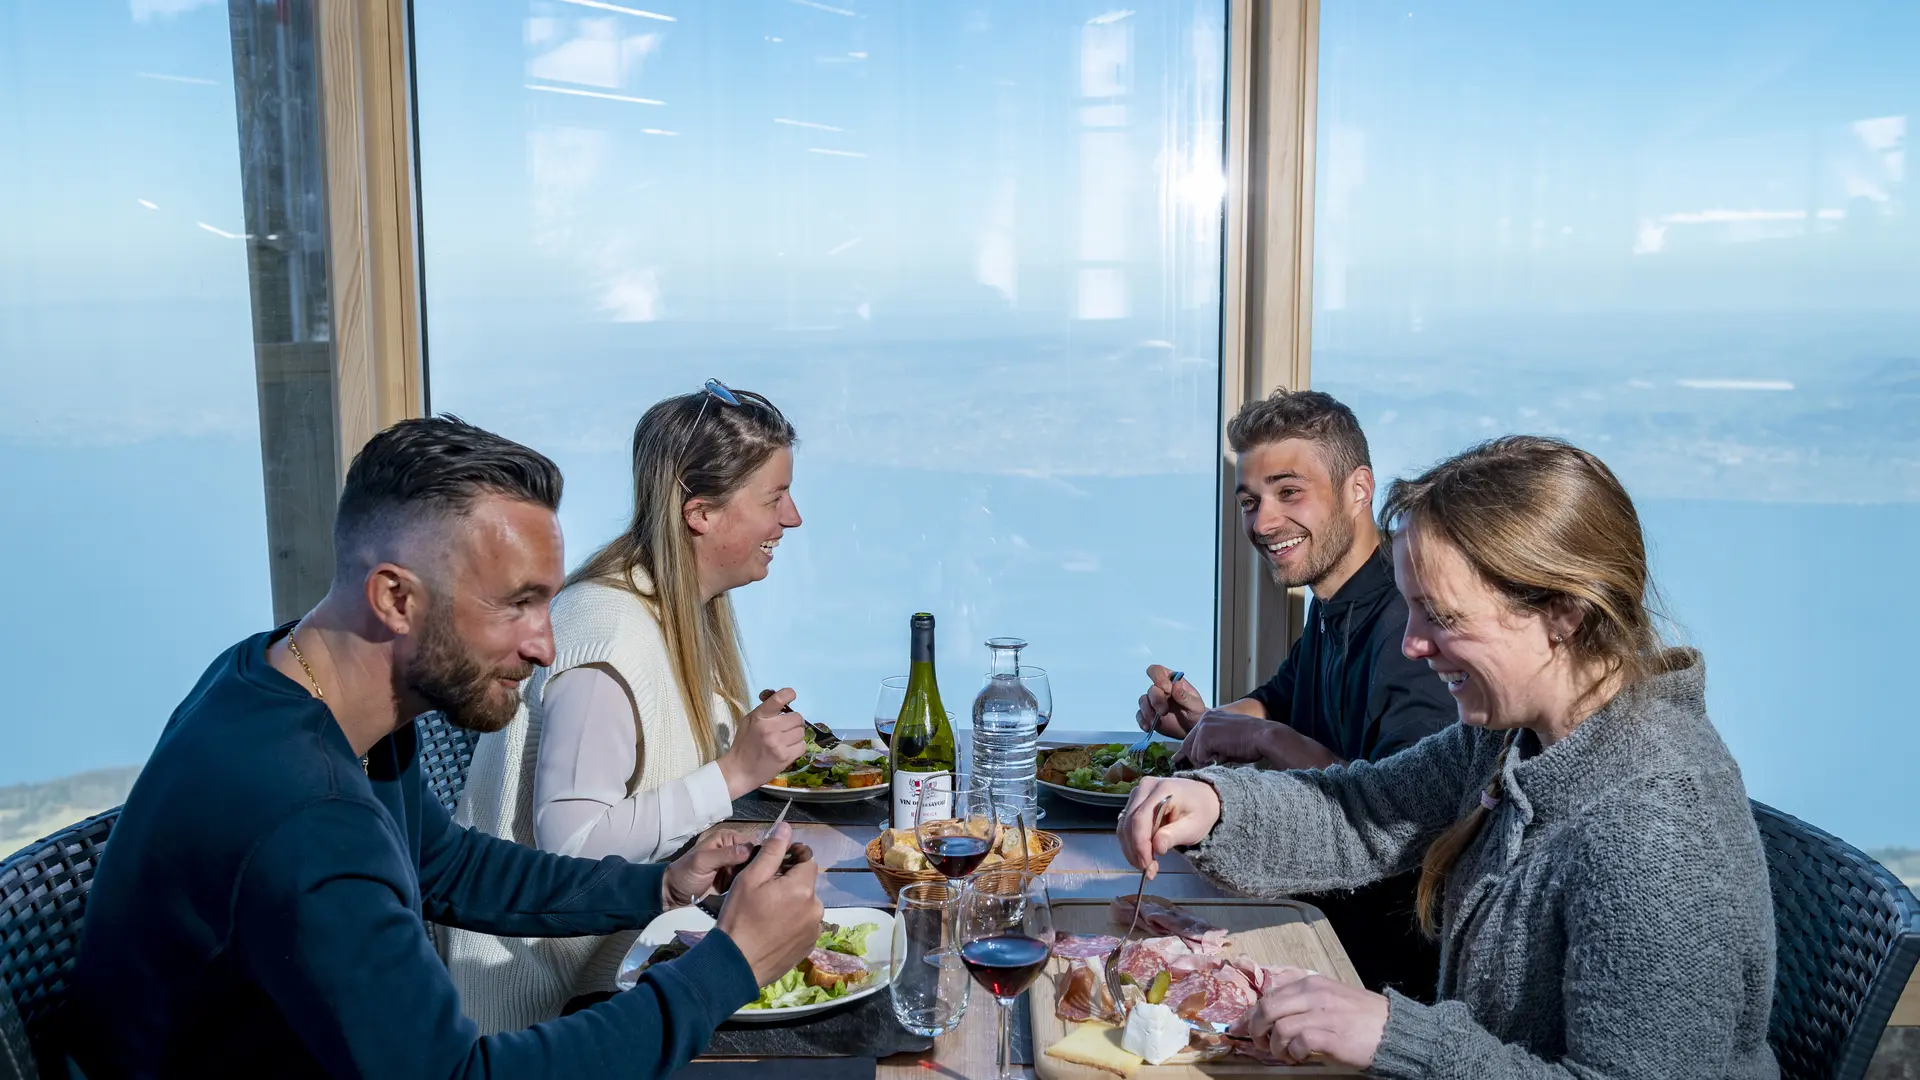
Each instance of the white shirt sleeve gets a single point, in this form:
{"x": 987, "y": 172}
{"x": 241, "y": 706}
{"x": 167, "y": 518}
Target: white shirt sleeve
{"x": 588, "y": 749}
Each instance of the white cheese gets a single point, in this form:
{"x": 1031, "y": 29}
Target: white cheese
{"x": 844, "y": 752}
{"x": 1154, "y": 1033}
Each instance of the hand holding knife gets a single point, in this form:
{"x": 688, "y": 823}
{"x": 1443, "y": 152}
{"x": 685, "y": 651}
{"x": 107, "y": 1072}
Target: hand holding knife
{"x": 797, "y": 853}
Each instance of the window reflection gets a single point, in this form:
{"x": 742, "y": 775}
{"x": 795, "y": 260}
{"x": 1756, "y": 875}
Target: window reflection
{"x": 130, "y": 473}
{"x": 1683, "y": 238}
{"x": 972, "y": 252}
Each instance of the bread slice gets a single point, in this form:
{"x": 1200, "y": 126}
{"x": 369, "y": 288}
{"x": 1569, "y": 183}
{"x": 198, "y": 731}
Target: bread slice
{"x": 828, "y": 970}
{"x": 867, "y": 776}
{"x": 779, "y": 781}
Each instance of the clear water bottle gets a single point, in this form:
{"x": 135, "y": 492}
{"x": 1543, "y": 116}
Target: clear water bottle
{"x": 1006, "y": 723}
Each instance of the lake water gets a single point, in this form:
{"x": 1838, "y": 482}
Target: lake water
{"x": 123, "y": 593}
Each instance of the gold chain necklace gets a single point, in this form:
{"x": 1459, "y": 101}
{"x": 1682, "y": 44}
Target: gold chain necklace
{"x": 321, "y": 695}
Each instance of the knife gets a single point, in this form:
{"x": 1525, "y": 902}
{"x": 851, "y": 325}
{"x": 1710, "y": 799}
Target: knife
{"x": 723, "y": 878}
{"x": 776, "y": 822}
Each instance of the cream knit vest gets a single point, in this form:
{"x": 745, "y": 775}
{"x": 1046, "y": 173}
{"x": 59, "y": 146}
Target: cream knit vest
{"x": 510, "y": 983}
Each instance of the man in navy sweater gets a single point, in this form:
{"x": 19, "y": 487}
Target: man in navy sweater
{"x": 259, "y": 908}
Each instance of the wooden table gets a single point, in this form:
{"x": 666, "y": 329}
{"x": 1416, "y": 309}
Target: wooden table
{"x": 1089, "y": 865}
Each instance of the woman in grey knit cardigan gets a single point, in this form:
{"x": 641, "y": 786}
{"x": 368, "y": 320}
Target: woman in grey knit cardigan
{"x": 1588, "y": 857}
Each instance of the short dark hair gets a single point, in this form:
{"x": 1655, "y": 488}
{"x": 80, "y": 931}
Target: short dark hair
{"x": 1303, "y": 414}
{"x": 432, "y": 467}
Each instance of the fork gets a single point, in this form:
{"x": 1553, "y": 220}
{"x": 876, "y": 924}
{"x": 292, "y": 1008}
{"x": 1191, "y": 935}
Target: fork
{"x": 822, "y": 734}
{"x": 1111, "y": 966}
{"x": 1136, "y": 757}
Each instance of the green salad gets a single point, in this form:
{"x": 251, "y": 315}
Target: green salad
{"x": 1089, "y": 767}
{"x": 792, "y": 989}
{"x": 850, "y": 764}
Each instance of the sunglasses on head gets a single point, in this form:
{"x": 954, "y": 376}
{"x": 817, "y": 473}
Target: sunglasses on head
{"x": 715, "y": 391}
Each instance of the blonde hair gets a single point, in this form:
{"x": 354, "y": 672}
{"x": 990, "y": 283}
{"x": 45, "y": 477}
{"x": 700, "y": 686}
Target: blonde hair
{"x": 1543, "y": 523}
{"x": 693, "y": 446}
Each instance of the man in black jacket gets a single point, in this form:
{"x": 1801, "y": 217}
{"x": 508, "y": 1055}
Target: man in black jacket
{"x": 1345, "y": 692}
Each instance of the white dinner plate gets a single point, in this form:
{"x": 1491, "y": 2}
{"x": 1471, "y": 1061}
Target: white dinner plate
{"x": 825, "y": 795}
{"x": 661, "y": 930}
{"x": 1080, "y": 795}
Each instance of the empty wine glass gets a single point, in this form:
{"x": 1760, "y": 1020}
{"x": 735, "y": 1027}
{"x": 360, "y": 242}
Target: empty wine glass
{"x": 886, "y": 708}
{"x": 1006, "y": 930}
{"x": 1035, "y": 680}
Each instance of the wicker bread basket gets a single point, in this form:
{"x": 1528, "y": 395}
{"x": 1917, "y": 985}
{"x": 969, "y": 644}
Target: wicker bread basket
{"x": 1044, "y": 847}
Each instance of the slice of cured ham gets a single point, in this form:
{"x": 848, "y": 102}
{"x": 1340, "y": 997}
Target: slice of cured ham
{"x": 1083, "y": 946}
{"x": 1082, "y": 995}
{"x": 1214, "y": 996}
{"x": 836, "y": 963}
{"x": 1163, "y": 916}
{"x": 1144, "y": 959}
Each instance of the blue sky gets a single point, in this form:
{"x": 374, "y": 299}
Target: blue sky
{"x": 973, "y": 250}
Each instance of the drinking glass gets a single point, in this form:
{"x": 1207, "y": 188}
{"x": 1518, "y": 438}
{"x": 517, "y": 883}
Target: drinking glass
{"x": 886, "y": 709}
{"x": 956, "y": 822}
{"x": 1006, "y": 929}
{"x": 926, "y": 979}
{"x": 1035, "y": 680}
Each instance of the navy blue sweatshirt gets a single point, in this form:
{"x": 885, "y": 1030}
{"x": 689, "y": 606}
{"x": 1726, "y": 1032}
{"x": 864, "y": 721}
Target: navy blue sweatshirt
{"x": 258, "y": 913}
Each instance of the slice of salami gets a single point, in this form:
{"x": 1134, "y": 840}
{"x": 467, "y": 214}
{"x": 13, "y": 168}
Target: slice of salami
{"x": 1083, "y": 946}
{"x": 1232, "y": 999}
{"x": 1190, "y": 996}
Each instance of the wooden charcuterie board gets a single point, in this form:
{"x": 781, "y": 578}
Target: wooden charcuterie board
{"x": 1275, "y": 932}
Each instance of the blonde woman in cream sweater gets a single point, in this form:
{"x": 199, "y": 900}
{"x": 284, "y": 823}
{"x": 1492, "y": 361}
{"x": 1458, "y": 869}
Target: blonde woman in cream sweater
{"x": 638, "y": 736}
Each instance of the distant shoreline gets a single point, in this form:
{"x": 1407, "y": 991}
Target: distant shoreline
{"x": 31, "y": 811}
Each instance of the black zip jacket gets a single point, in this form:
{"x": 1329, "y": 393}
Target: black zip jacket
{"x": 1346, "y": 685}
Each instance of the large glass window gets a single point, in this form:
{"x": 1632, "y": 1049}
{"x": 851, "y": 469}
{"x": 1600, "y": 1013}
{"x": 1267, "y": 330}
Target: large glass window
{"x": 1684, "y": 237}
{"x": 972, "y": 251}
{"x": 129, "y": 445}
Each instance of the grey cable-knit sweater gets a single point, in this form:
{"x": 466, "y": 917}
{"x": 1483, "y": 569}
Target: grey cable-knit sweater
{"x": 1612, "y": 919}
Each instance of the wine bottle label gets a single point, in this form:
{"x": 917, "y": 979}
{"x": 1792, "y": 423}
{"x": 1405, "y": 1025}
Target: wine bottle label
{"x": 906, "y": 796}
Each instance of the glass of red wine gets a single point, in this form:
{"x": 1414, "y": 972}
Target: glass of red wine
{"x": 956, "y": 823}
{"x": 1035, "y": 680}
{"x": 886, "y": 708}
{"x": 1005, "y": 933}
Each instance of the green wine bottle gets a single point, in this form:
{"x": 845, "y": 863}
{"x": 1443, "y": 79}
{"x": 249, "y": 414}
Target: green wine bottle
{"x": 922, "y": 749}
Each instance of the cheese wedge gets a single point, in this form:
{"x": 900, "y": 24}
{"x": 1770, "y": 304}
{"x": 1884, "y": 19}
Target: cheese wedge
{"x": 1096, "y": 1045}
{"x": 1154, "y": 1033}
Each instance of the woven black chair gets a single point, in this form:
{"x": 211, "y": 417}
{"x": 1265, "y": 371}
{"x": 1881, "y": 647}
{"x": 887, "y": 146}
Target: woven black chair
{"x": 1848, "y": 934}
{"x": 16, "y": 1054}
{"x": 445, "y": 753}
{"x": 43, "y": 898}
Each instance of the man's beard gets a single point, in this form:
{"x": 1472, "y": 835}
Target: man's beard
{"x": 1325, "y": 551}
{"x": 447, "y": 677}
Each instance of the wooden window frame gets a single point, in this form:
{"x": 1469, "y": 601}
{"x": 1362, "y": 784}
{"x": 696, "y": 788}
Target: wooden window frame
{"x": 366, "y": 91}
{"x": 1267, "y": 313}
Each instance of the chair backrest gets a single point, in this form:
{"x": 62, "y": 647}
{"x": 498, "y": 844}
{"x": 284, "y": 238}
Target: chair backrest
{"x": 43, "y": 899}
{"x": 16, "y": 1054}
{"x": 445, "y": 753}
{"x": 1847, "y": 935}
